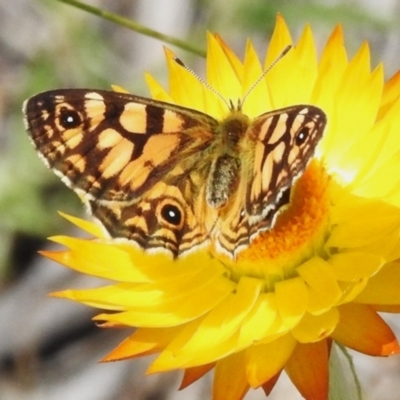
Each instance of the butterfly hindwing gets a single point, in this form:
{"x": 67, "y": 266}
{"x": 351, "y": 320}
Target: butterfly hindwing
{"x": 161, "y": 219}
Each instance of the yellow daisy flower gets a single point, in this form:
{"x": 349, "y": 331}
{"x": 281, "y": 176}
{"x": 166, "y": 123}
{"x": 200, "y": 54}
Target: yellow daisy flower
{"x": 324, "y": 271}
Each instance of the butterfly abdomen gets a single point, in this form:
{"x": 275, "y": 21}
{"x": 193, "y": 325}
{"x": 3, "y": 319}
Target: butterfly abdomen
{"x": 223, "y": 180}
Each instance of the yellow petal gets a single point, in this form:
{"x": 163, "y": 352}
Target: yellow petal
{"x": 252, "y": 106}
{"x": 224, "y": 320}
{"x": 307, "y": 368}
{"x": 292, "y": 299}
{"x": 354, "y": 266}
{"x": 313, "y": 328}
{"x": 185, "y": 88}
{"x": 142, "y": 342}
{"x": 220, "y": 74}
{"x": 378, "y": 185}
{"x": 156, "y": 90}
{"x": 230, "y": 381}
{"x": 351, "y": 290}
{"x": 87, "y": 226}
{"x": 193, "y": 374}
{"x": 323, "y": 290}
{"x": 280, "y": 39}
{"x": 362, "y": 329}
{"x": 383, "y": 288}
{"x": 390, "y": 94}
{"x": 119, "y": 89}
{"x": 306, "y": 67}
{"x": 276, "y": 77}
{"x": 331, "y": 68}
{"x": 262, "y": 320}
{"x": 231, "y": 56}
{"x": 95, "y": 258}
{"x": 363, "y": 227}
{"x": 142, "y": 319}
{"x": 357, "y": 103}
{"x": 264, "y": 361}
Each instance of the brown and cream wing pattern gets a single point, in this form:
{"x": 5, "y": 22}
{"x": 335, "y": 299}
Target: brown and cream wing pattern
{"x": 113, "y": 146}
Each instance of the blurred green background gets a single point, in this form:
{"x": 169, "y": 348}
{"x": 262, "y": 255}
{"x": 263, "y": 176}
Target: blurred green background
{"x": 45, "y": 44}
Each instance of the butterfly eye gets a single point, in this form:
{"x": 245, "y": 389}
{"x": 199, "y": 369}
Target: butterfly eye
{"x": 302, "y": 136}
{"x": 69, "y": 118}
{"x": 171, "y": 214}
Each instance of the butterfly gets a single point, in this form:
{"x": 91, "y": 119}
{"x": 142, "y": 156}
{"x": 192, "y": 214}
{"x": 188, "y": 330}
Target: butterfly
{"x": 170, "y": 178}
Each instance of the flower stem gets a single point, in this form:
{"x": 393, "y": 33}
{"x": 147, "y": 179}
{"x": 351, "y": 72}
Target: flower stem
{"x": 343, "y": 380}
{"x": 135, "y": 26}
{"x": 352, "y": 369}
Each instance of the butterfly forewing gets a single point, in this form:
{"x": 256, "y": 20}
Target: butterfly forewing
{"x": 113, "y": 146}
{"x": 286, "y": 140}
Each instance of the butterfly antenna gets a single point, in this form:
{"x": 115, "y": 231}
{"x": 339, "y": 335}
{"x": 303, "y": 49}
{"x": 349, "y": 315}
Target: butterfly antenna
{"x": 206, "y": 84}
{"x": 284, "y": 52}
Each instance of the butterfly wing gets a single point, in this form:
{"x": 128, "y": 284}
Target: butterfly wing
{"x": 285, "y": 142}
{"x": 110, "y": 145}
{"x": 169, "y": 216}
{"x": 136, "y": 162}
{"x": 281, "y": 143}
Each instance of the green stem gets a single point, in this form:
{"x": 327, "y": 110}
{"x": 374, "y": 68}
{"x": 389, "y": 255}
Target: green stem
{"x": 128, "y": 23}
{"x": 352, "y": 369}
